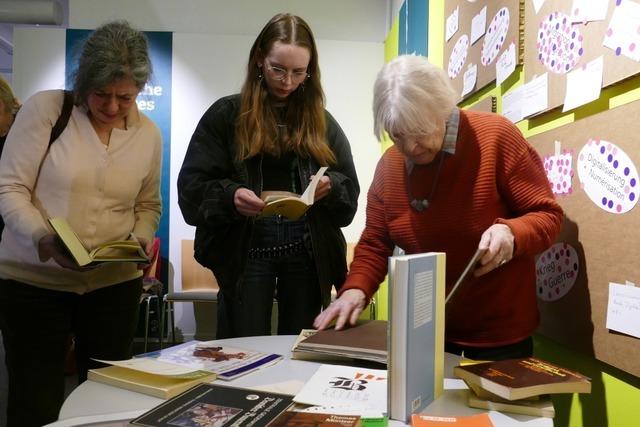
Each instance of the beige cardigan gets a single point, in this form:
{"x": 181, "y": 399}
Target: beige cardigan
{"x": 105, "y": 193}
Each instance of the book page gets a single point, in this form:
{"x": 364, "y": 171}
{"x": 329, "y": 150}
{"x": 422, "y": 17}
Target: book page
{"x": 310, "y": 192}
{"x": 71, "y": 240}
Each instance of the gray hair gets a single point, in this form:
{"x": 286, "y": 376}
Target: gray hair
{"x": 112, "y": 52}
{"x": 411, "y": 96}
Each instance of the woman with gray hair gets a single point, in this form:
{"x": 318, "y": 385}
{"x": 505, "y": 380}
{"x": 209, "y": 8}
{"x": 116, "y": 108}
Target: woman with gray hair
{"x": 471, "y": 181}
{"x": 102, "y": 174}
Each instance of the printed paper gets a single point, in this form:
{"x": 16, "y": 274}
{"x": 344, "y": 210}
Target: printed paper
{"x": 559, "y": 43}
{"x": 559, "y": 171}
{"x": 512, "y": 105}
{"x": 535, "y": 97}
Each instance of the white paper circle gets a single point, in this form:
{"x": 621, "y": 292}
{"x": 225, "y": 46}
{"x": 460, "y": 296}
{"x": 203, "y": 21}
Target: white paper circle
{"x": 608, "y": 176}
{"x": 495, "y": 36}
{"x": 556, "y": 271}
{"x": 458, "y": 56}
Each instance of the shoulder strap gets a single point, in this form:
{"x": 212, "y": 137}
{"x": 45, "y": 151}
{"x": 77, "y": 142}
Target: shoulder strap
{"x": 61, "y": 123}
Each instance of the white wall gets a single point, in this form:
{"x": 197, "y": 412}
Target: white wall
{"x": 208, "y": 65}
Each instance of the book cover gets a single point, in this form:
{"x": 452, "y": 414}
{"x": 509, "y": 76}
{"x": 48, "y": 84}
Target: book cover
{"x": 346, "y": 387}
{"x": 162, "y": 386}
{"x": 289, "y": 204}
{"x": 541, "y": 407}
{"x": 478, "y": 420}
{"x": 116, "y": 251}
{"x": 416, "y": 332}
{"x": 219, "y": 406}
{"x": 227, "y": 362}
{"x": 367, "y": 340}
{"x": 309, "y": 419}
{"x": 514, "y": 379}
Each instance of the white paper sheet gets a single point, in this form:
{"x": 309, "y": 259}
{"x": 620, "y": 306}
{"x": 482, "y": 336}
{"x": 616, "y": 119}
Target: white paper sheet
{"x": 506, "y": 64}
{"x": 535, "y": 97}
{"x": 589, "y": 10}
{"x": 452, "y": 24}
{"x": 623, "y": 309}
{"x": 537, "y": 4}
{"x": 583, "y": 84}
{"x": 479, "y": 25}
{"x": 622, "y": 36}
{"x": 512, "y": 105}
{"x": 469, "y": 79}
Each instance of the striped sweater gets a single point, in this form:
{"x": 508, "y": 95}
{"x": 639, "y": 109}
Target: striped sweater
{"x": 494, "y": 176}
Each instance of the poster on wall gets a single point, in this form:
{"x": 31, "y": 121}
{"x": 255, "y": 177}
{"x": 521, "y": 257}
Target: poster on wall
{"x": 582, "y": 45}
{"x": 482, "y": 42}
{"x": 154, "y": 100}
{"x": 592, "y": 167}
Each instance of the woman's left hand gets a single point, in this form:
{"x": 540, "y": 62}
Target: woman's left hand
{"x": 147, "y": 245}
{"x": 323, "y": 188}
{"x": 499, "y": 242}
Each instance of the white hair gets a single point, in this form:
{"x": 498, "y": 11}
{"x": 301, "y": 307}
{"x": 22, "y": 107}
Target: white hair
{"x": 411, "y": 96}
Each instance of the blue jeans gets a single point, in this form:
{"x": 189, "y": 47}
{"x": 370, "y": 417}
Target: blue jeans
{"x": 279, "y": 267}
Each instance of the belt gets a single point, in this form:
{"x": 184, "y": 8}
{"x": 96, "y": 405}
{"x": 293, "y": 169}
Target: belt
{"x": 277, "y": 251}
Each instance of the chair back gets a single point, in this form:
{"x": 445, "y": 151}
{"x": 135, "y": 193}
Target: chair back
{"x": 195, "y": 277}
{"x": 350, "y": 249}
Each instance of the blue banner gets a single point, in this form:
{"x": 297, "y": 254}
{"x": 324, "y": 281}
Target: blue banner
{"x": 412, "y": 32}
{"x": 154, "y": 101}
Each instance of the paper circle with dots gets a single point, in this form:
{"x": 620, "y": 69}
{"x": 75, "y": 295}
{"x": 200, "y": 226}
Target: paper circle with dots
{"x": 608, "y": 176}
{"x": 458, "y": 56}
{"x": 559, "y": 43}
{"x": 559, "y": 171}
{"x": 494, "y": 36}
{"x": 556, "y": 271}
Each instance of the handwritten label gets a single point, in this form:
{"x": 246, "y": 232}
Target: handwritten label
{"x": 495, "y": 36}
{"x": 556, "y": 271}
{"x": 608, "y": 176}
{"x": 623, "y": 309}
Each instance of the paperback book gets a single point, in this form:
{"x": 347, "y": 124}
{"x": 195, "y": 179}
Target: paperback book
{"x": 416, "y": 332}
{"x": 227, "y": 362}
{"x": 157, "y": 385}
{"x": 367, "y": 340}
{"x": 117, "y": 251}
{"x": 540, "y": 407}
{"x": 346, "y": 387}
{"x": 288, "y": 204}
{"x": 309, "y": 419}
{"x": 478, "y": 420}
{"x": 514, "y": 379}
{"x": 219, "y": 406}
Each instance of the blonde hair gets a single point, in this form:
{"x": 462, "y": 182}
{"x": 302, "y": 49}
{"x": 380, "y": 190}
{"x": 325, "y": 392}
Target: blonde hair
{"x": 411, "y": 96}
{"x": 304, "y": 118}
{"x": 8, "y": 99}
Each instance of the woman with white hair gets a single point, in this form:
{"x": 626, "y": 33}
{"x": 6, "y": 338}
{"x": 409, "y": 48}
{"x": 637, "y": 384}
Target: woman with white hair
{"x": 470, "y": 181}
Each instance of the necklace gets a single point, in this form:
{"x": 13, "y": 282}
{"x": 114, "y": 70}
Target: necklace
{"x": 422, "y": 204}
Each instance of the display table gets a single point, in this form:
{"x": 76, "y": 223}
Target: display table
{"x": 91, "y": 398}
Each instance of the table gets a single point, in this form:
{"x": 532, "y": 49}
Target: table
{"x": 92, "y": 398}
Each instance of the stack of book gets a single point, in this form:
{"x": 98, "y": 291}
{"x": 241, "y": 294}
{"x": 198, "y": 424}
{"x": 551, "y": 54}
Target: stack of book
{"x": 519, "y": 386}
{"x": 365, "y": 341}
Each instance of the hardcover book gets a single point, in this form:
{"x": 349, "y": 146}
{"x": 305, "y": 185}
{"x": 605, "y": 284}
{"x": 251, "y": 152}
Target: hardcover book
{"x": 116, "y": 251}
{"x": 219, "y": 406}
{"x": 162, "y": 386}
{"x": 367, "y": 340}
{"x": 514, "y": 379}
{"x": 309, "y": 419}
{"x": 346, "y": 387}
{"x": 541, "y": 407}
{"x": 416, "y": 332}
{"x": 288, "y": 204}
{"x": 227, "y": 362}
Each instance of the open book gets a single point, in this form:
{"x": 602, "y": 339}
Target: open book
{"x": 116, "y": 251}
{"x": 288, "y": 204}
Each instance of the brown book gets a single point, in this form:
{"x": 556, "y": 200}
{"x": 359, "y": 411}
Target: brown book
{"x": 514, "y": 379}
{"x": 541, "y": 407}
{"x": 314, "y": 419}
{"x": 367, "y": 340}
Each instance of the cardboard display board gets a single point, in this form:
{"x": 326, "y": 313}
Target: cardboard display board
{"x": 498, "y": 23}
{"x": 594, "y": 175}
{"x": 556, "y": 46}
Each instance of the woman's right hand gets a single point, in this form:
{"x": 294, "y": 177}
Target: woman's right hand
{"x": 50, "y": 246}
{"x": 247, "y": 203}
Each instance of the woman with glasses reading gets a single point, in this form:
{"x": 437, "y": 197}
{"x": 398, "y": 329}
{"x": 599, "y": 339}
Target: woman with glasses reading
{"x": 273, "y": 136}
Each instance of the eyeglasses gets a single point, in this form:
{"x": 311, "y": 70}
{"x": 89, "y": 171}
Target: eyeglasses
{"x": 297, "y": 76}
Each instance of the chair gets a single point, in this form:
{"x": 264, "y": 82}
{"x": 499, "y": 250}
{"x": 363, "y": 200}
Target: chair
{"x": 198, "y": 285}
{"x": 152, "y": 287}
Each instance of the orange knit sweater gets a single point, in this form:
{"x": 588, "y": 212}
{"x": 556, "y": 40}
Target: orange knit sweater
{"x": 495, "y": 176}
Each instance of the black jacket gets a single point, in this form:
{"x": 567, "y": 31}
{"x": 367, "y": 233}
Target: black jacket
{"x": 210, "y": 175}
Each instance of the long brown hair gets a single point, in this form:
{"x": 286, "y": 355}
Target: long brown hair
{"x": 304, "y": 117}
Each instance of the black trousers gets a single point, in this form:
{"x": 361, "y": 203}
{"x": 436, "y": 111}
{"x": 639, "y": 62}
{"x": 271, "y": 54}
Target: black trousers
{"x": 516, "y": 350}
{"x": 36, "y": 324}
